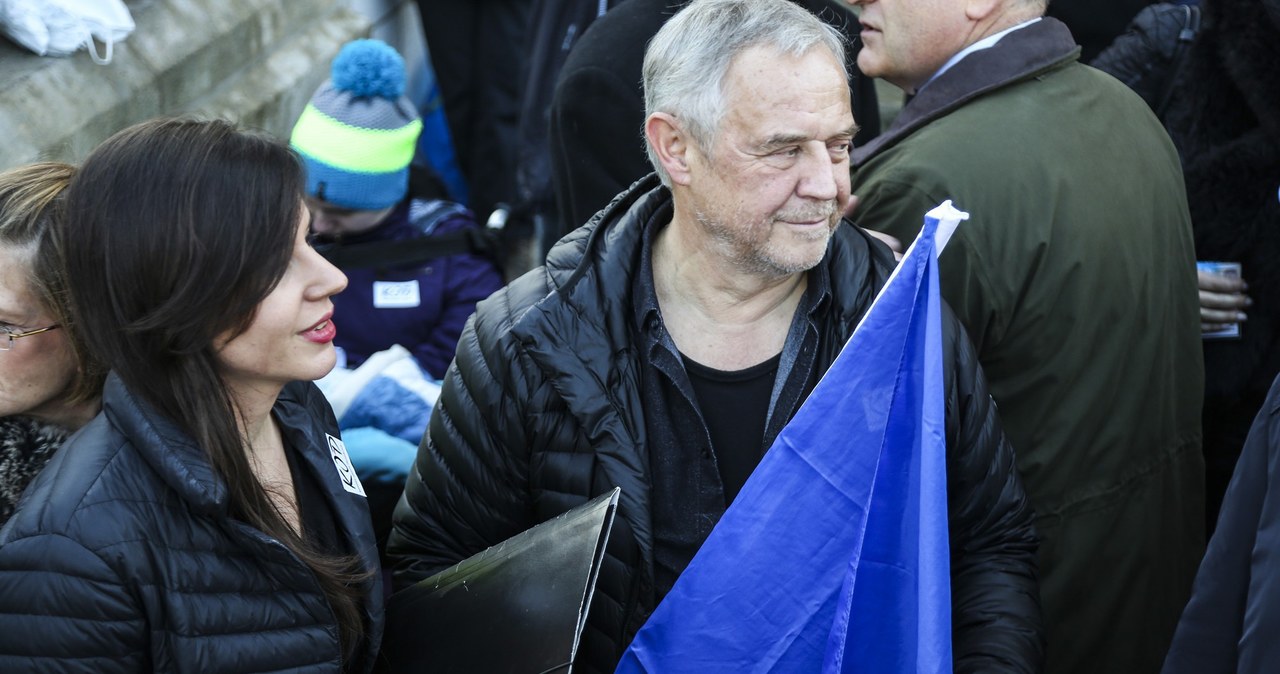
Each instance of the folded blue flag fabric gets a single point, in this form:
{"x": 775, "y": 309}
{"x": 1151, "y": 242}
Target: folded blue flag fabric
{"x": 834, "y": 557}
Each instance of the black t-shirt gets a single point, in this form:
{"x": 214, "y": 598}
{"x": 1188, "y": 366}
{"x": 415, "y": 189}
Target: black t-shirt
{"x": 734, "y": 406}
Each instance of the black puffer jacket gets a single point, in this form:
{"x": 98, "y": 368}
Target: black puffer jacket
{"x": 123, "y": 558}
{"x": 541, "y": 410}
{"x": 1148, "y": 56}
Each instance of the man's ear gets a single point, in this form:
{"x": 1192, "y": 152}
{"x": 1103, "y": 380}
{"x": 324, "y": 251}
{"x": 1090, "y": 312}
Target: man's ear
{"x": 977, "y": 10}
{"x": 671, "y": 145}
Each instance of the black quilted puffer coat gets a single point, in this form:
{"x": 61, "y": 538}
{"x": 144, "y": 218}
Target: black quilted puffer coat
{"x": 541, "y": 410}
{"x": 122, "y": 557}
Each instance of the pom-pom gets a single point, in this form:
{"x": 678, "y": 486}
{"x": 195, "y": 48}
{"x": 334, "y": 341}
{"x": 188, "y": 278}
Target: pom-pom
{"x": 369, "y": 68}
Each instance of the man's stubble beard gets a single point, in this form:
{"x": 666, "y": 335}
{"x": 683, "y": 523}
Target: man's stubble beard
{"x": 749, "y": 249}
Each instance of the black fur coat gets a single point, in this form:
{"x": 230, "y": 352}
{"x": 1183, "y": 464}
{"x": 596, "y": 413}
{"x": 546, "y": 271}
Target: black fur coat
{"x": 1224, "y": 118}
{"x": 25, "y": 446}
{"x": 1223, "y": 113}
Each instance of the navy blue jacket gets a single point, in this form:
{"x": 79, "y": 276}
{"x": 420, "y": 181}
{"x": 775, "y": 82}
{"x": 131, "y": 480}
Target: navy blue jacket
{"x": 123, "y": 557}
{"x": 447, "y": 291}
{"x": 1231, "y": 622}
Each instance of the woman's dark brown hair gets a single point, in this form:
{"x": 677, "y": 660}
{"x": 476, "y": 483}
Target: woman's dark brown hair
{"x": 176, "y": 230}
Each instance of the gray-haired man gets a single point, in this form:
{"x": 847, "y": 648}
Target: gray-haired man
{"x": 666, "y": 343}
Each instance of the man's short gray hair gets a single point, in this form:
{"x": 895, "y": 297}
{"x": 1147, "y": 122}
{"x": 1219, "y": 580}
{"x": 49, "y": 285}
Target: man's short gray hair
{"x": 686, "y": 62}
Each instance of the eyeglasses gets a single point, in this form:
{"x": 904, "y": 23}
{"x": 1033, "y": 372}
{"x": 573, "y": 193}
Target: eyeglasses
{"x": 8, "y": 336}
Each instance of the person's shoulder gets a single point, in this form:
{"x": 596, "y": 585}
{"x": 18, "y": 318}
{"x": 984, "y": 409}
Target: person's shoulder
{"x": 535, "y": 298}
{"x": 86, "y": 490}
{"x": 585, "y": 268}
{"x": 438, "y": 216}
{"x": 857, "y": 266}
{"x": 1271, "y": 407}
{"x": 499, "y": 313}
{"x": 852, "y": 248}
{"x": 1091, "y": 78}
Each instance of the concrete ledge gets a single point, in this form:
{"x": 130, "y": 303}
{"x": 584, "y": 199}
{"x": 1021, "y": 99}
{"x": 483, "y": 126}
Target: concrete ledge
{"x": 256, "y": 61}
{"x": 271, "y": 93}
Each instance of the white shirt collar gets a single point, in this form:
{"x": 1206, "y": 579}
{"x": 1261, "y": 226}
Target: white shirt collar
{"x": 985, "y": 43}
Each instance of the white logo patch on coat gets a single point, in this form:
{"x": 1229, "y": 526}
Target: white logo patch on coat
{"x": 396, "y": 294}
{"x": 346, "y": 472}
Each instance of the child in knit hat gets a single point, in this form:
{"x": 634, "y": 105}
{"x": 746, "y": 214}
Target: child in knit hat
{"x": 357, "y": 138}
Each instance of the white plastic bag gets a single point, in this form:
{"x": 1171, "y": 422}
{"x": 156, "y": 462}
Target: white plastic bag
{"x": 61, "y": 27}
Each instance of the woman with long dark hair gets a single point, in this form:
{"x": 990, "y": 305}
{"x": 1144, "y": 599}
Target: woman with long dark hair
{"x": 208, "y": 519}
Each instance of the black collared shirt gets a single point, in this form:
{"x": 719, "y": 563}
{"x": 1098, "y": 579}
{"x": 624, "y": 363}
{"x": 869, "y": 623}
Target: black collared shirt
{"x": 688, "y": 493}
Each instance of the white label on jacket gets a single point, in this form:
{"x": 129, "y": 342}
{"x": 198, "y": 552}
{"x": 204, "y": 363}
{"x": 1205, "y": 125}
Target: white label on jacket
{"x": 396, "y": 294}
{"x": 346, "y": 473}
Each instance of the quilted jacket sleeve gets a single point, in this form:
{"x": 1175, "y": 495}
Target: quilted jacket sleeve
{"x": 1145, "y": 56}
{"x": 467, "y": 488}
{"x": 63, "y": 609}
{"x": 995, "y": 600}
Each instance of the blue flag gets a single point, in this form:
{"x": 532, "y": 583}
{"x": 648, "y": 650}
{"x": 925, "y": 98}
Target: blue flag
{"x": 834, "y": 557}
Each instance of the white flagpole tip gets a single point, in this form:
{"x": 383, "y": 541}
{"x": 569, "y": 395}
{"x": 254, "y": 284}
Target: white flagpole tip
{"x": 948, "y": 217}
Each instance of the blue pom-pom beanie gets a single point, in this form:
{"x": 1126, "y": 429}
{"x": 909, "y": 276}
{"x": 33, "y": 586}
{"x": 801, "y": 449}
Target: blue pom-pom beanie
{"x": 358, "y": 133}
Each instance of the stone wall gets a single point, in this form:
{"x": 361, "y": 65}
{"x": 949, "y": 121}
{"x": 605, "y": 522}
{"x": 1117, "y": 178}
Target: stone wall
{"x": 254, "y": 61}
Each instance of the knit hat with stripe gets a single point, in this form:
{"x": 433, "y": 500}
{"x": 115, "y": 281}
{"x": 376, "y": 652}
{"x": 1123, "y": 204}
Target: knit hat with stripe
{"x": 358, "y": 133}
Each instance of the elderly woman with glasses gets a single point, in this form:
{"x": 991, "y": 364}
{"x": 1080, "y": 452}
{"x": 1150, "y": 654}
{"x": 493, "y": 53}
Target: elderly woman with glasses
{"x": 49, "y": 386}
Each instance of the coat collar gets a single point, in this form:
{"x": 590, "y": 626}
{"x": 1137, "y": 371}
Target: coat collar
{"x": 1022, "y": 54}
{"x": 185, "y": 467}
{"x": 174, "y": 456}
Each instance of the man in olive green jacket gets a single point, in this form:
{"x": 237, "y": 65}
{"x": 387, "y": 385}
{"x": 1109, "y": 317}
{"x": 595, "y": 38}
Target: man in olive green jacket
{"x": 1076, "y": 280}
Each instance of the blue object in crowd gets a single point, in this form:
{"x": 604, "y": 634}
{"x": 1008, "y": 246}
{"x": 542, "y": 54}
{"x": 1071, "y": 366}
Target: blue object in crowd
{"x": 834, "y": 557}
{"x": 381, "y": 459}
{"x": 435, "y": 145}
{"x": 390, "y": 405}
{"x": 388, "y": 392}
{"x": 358, "y": 133}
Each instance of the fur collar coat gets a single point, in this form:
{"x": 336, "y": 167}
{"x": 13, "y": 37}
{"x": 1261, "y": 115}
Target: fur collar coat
{"x": 1224, "y": 117}
{"x": 25, "y": 446}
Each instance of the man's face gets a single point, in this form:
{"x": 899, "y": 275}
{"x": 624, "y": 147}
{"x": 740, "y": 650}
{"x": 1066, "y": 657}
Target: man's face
{"x": 905, "y": 42}
{"x": 771, "y": 191}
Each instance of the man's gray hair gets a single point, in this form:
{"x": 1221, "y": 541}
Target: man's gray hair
{"x": 686, "y": 62}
